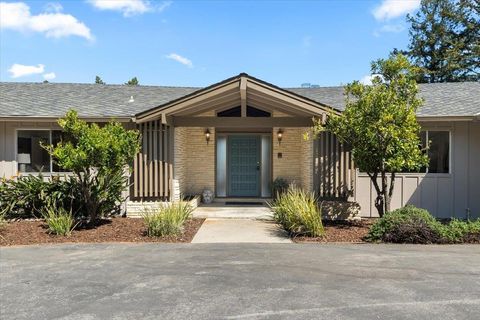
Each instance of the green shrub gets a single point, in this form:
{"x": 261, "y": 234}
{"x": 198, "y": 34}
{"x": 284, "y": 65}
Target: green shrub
{"x": 458, "y": 231}
{"x": 167, "y": 221}
{"x": 406, "y": 225}
{"x": 59, "y": 221}
{"x": 279, "y": 186}
{"x": 27, "y": 196}
{"x": 98, "y": 157}
{"x": 414, "y": 225}
{"x": 298, "y": 213}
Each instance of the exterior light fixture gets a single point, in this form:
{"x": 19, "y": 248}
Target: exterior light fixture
{"x": 279, "y": 136}
{"x": 207, "y": 135}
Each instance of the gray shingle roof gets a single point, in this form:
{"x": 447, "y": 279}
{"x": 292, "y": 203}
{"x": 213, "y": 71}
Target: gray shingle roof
{"x": 90, "y": 100}
{"x": 440, "y": 99}
{"x": 93, "y": 100}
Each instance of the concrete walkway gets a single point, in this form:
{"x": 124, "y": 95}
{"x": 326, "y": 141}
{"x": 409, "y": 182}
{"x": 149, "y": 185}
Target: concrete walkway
{"x": 240, "y": 231}
{"x": 220, "y": 210}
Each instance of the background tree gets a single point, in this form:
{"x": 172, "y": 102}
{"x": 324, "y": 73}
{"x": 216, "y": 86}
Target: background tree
{"x": 132, "y": 82}
{"x": 380, "y": 125}
{"x": 98, "y": 157}
{"x": 99, "y": 80}
{"x": 445, "y": 40}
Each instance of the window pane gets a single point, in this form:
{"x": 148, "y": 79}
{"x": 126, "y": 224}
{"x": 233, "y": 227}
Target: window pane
{"x": 439, "y": 151}
{"x": 31, "y": 157}
{"x": 233, "y": 112}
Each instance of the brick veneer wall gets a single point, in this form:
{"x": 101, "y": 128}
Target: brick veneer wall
{"x": 296, "y": 162}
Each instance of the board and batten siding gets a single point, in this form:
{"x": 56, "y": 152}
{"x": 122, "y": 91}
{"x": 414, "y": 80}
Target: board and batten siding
{"x": 444, "y": 195}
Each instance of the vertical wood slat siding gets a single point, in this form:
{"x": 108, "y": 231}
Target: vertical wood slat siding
{"x": 333, "y": 167}
{"x": 152, "y": 166}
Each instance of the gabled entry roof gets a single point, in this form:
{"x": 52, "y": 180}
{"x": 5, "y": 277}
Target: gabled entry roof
{"x": 241, "y": 90}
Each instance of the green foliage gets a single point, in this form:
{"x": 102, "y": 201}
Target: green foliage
{"x": 167, "y": 221}
{"x": 59, "y": 221}
{"x": 26, "y": 196}
{"x": 298, "y": 213}
{"x": 445, "y": 41}
{"x": 99, "y": 80}
{"x": 98, "y": 156}
{"x": 380, "y": 125}
{"x": 132, "y": 82}
{"x": 458, "y": 231}
{"x": 280, "y": 185}
{"x": 406, "y": 225}
{"x": 414, "y": 225}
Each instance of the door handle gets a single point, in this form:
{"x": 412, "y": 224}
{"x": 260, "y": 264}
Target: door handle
{"x": 258, "y": 166}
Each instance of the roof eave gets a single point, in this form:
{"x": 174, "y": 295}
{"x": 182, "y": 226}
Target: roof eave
{"x": 53, "y": 118}
{"x": 448, "y": 118}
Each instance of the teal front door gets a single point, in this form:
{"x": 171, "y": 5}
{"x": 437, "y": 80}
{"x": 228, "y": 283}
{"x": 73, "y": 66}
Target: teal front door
{"x": 243, "y": 166}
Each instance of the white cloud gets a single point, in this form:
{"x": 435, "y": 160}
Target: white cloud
{"x": 49, "y": 76}
{"x": 390, "y": 9}
{"x": 17, "y": 16}
{"x": 129, "y": 7}
{"x": 20, "y": 70}
{"x": 367, "y": 80}
{"x": 185, "y": 61}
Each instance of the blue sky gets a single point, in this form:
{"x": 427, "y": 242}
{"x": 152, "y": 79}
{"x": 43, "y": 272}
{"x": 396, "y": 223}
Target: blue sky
{"x": 197, "y": 43}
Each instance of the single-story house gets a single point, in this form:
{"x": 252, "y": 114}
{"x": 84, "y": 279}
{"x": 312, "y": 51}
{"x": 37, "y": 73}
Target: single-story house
{"x": 237, "y": 136}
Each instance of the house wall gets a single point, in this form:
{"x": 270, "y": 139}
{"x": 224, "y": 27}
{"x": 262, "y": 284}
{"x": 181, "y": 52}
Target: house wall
{"x": 444, "y": 195}
{"x": 8, "y": 164}
{"x": 295, "y": 164}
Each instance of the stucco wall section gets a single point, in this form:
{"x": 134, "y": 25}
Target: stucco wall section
{"x": 295, "y": 163}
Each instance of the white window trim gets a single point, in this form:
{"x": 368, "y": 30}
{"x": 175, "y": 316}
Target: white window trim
{"x": 50, "y": 171}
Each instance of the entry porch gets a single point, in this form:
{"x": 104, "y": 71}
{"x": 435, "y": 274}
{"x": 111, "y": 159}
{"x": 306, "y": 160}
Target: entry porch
{"x": 235, "y": 138}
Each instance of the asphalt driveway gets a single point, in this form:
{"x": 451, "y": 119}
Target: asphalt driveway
{"x": 239, "y": 281}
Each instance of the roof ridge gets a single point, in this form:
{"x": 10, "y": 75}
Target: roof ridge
{"x": 96, "y": 84}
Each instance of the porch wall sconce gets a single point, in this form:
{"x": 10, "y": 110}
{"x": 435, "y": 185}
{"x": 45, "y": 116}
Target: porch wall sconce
{"x": 279, "y": 136}
{"x": 207, "y": 135}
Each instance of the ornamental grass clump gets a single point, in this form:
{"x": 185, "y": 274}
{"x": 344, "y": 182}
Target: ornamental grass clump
{"x": 168, "y": 220}
{"x": 59, "y": 221}
{"x": 298, "y": 213}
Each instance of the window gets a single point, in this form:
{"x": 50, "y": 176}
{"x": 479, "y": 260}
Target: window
{"x": 31, "y": 157}
{"x": 438, "y": 151}
{"x": 236, "y": 112}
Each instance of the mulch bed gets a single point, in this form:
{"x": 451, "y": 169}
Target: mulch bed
{"x": 108, "y": 230}
{"x": 341, "y": 231}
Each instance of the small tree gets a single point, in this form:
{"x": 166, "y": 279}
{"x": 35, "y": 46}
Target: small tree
{"x": 98, "y": 157}
{"x": 99, "y": 80}
{"x": 380, "y": 125}
{"x": 132, "y": 82}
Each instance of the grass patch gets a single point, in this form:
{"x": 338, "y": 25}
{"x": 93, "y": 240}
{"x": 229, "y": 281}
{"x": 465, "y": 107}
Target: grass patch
{"x": 167, "y": 221}
{"x": 298, "y": 213}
